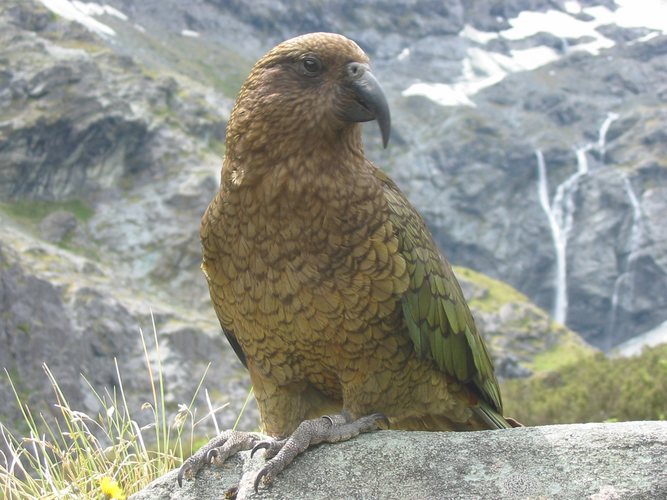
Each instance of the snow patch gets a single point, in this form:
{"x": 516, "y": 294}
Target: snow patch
{"x": 651, "y": 14}
{"x": 559, "y": 24}
{"x": 190, "y": 33}
{"x": 482, "y": 37}
{"x": 441, "y": 93}
{"x": 405, "y": 53}
{"x": 634, "y": 346}
{"x": 83, "y": 12}
{"x": 65, "y": 53}
{"x": 481, "y": 69}
{"x": 95, "y": 9}
{"x": 529, "y": 59}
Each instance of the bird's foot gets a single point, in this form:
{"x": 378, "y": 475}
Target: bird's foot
{"x": 330, "y": 429}
{"x": 216, "y": 451}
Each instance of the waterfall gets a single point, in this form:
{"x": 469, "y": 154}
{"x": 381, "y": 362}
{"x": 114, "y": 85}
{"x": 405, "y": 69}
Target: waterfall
{"x": 637, "y": 232}
{"x": 582, "y": 159}
{"x": 560, "y": 214}
{"x": 560, "y": 284}
{"x": 624, "y": 283}
{"x": 602, "y": 134}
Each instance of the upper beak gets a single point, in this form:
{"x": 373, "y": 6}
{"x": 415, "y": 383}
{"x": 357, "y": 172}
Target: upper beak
{"x": 368, "y": 101}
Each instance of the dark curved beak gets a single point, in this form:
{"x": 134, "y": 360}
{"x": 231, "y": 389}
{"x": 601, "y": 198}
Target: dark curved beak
{"x": 367, "y": 99}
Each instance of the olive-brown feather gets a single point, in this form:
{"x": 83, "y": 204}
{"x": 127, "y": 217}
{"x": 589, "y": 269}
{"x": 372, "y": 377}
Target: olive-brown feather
{"x": 321, "y": 272}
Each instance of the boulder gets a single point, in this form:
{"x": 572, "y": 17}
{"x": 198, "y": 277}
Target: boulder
{"x": 56, "y": 226}
{"x": 592, "y": 461}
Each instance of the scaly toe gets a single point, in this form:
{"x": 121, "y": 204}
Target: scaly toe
{"x": 380, "y": 418}
{"x": 216, "y": 451}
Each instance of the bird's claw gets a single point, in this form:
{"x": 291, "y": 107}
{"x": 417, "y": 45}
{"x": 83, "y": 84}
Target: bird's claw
{"x": 185, "y": 472}
{"x": 212, "y": 456}
{"x": 262, "y": 445}
{"x": 258, "y": 479}
{"x": 268, "y": 473}
{"x": 189, "y": 469}
{"x": 216, "y": 452}
{"x": 329, "y": 418}
{"x": 380, "y": 418}
{"x": 272, "y": 447}
{"x": 329, "y": 428}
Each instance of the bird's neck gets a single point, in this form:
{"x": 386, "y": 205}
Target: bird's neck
{"x": 299, "y": 166}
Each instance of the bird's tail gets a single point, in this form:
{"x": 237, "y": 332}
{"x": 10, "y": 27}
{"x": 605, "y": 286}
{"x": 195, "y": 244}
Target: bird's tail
{"x": 493, "y": 418}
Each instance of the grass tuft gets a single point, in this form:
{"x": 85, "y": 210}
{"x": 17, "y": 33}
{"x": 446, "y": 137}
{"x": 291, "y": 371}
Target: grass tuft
{"x": 36, "y": 210}
{"x": 108, "y": 455}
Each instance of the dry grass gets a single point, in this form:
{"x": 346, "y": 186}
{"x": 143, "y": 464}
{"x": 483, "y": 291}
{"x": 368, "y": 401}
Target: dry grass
{"x": 108, "y": 455}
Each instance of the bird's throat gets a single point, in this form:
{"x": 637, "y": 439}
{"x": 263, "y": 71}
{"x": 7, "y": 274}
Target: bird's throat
{"x": 313, "y": 168}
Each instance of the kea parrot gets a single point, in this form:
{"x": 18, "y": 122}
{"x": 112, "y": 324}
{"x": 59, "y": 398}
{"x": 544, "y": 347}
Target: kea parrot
{"x": 325, "y": 279}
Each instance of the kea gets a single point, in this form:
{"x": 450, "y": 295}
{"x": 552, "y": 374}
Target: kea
{"x": 325, "y": 279}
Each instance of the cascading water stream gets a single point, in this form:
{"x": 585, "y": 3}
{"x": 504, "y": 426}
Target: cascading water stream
{"x": 560, "y": 283}
{"x": 625, "y": 283}
{"x": 560, "y": 211}
{"x": 602, "y": 134}
{"x": 637, "y": 232}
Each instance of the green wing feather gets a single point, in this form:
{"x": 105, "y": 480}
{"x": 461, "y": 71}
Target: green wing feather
{"x": 437, "y": 316}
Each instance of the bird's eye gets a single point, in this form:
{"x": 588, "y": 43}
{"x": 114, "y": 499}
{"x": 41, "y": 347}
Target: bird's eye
{"x": 311, "y": 66}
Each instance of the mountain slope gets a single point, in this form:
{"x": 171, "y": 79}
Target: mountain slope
{"x": 112, "y": 129}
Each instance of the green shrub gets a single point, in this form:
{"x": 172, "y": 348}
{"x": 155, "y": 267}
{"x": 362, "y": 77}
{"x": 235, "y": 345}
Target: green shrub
{"x": 597, "y": 390}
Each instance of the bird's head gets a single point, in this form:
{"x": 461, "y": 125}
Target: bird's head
{"x": 307, "y": 91}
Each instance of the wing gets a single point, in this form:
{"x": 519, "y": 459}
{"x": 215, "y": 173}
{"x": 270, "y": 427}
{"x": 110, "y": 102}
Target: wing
{"x": 210, "y": 249}
{"x": 231, "y": 338}
{"x": 437, "y": 316}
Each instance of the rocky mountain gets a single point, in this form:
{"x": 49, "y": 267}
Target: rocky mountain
{"x": 530, "y": 134}
{"x": 479, "y": 93}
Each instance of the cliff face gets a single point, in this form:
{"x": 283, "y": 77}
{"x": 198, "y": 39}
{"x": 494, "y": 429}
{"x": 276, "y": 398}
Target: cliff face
{"x": 106, "y": 169}
{"x": 477, "y": 92}
{"x": 558, "y": 195}
{"x": 112, "y": 123}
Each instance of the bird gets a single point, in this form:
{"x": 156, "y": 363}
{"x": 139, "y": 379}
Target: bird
{"x": 325, "y": 279}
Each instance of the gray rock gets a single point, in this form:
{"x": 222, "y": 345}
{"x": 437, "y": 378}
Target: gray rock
{"x": 56, "y": 226}
{"x": 132, "y": 126}
{"x": 594, "y": 461}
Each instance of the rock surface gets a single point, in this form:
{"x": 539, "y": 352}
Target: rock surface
{"x": 114, "y": 125}
{"x": 585, "y": 461}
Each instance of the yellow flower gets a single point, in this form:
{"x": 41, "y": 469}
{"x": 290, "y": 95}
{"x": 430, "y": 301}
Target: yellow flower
{"x": 110, "y": 489}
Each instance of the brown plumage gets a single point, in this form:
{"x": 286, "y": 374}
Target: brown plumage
{"x": 324, "y": 277}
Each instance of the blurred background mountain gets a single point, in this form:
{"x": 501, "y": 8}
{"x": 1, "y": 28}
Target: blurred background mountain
{"x": 530, "y": 133}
